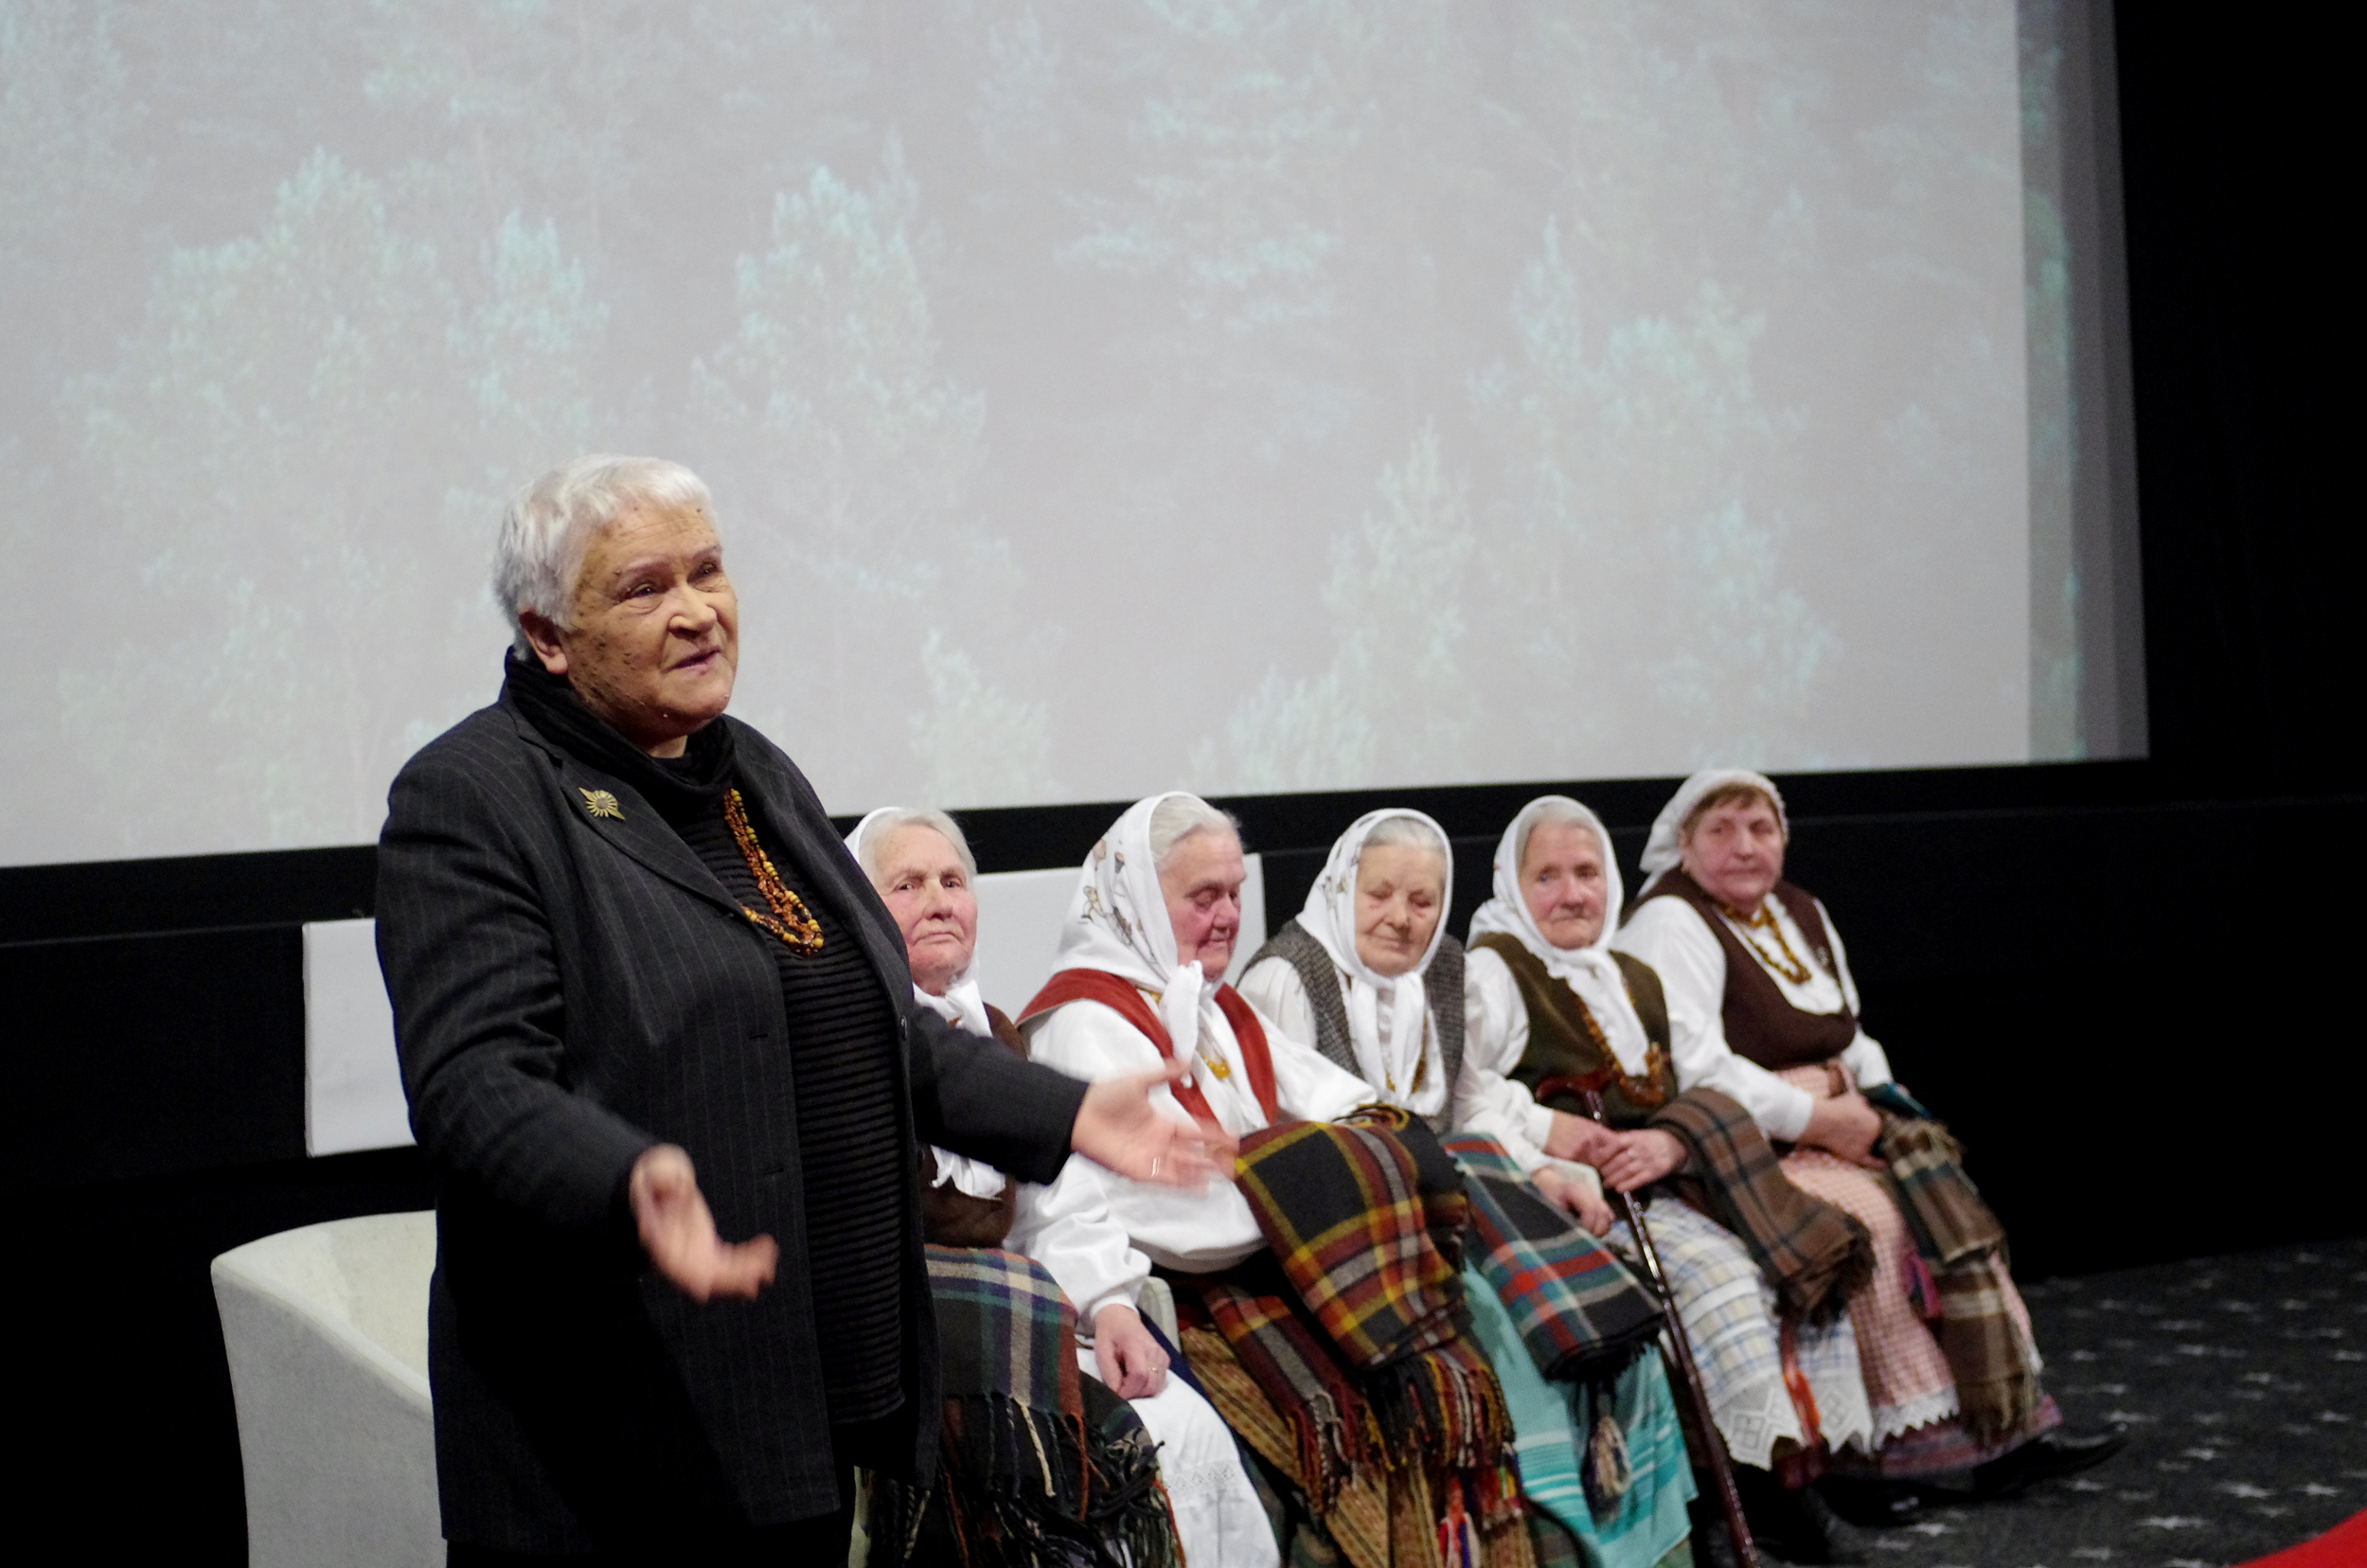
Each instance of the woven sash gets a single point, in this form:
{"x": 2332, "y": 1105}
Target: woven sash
{"x": 1087, "y": 985}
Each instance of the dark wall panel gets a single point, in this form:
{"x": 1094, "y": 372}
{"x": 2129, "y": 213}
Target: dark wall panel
{"x": 135, "y": 1056}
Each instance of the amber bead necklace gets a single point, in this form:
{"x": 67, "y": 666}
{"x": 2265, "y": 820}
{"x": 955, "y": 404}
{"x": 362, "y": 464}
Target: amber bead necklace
{"x": 1644, "y": 1090}
{"x": 790, "y": 920}
{"x": 1783, "y": 961}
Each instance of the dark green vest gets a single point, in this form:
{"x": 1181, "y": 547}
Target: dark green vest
{"x": 1562, "y": 1047}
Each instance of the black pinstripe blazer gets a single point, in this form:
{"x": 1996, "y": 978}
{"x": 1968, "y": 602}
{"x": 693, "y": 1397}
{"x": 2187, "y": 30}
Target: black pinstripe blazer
{"x": 569, "y": 989}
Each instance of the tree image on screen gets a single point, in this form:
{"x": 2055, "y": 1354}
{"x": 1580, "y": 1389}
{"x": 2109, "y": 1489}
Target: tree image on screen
{"x": 1098, "y": 396}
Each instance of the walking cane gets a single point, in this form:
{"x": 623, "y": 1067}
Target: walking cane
{"x": 1688, "y": 1371}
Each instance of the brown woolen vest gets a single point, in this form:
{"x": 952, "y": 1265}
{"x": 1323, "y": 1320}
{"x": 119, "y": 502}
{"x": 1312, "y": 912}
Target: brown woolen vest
{"x": 949, "y": 1216}
{"x": 1760, "y": 1023}
{"x": 1560, "y": 1047}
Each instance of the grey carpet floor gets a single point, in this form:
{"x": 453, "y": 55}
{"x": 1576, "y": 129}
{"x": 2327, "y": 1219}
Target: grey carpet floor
{"x": 2243, "y": 1380}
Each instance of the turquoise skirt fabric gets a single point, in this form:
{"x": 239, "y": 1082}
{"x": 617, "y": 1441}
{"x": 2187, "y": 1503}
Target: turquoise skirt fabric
{"x": 1646, "y": 1521}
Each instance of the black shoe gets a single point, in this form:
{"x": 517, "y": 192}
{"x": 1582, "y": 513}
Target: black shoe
{"x": 1875, "y": 1504}
{"x": 1796, "y": 1527}
{"x": 2056, "y": 1453}
{"x": 1712, "y": 1546}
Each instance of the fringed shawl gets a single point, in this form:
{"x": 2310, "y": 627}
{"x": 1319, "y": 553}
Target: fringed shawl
{"x": 1582, "y": 1316}
{"x": 1347, "y": 1331}
{"x": 1815, "y": 1256}
{"x": 1039, "y": 1465}
{"x": 1962, "y": 1248}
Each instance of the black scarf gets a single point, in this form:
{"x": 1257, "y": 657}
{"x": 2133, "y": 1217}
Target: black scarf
{"x": 679, "y": 788}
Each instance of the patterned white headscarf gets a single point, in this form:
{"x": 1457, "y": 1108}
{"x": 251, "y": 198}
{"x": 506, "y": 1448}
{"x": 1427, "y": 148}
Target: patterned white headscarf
{"x": 1661, "y": 850}
{"x": 1590, "y": 971}
{"x": 1117, "y": 922}
{"x": 962, "y": 1006}
{"x": 1330, "y": 917}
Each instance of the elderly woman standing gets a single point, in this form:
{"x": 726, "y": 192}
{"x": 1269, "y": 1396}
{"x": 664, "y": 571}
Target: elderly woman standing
{"x": 1759, "y": 961}
{"x": 619, "y": 936}
{"x": 920, "y": 864}
{"x": 1547, "y": 1000}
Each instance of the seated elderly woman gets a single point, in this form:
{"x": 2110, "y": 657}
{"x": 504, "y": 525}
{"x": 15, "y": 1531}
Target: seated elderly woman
{"x": 619, "y": 936}
{"x": 920, "y": 863}
{"x": 1758, "y": 960}
{"x": 1367, "y": 971}
{"x": 1548, "y": 1005}
{"x": 1321, "y": 1323}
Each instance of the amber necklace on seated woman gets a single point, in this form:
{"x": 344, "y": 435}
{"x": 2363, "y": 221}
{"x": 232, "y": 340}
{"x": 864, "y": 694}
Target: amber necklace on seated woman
{"x": 1783, "y": 961}
{"x": 790, "y": 920}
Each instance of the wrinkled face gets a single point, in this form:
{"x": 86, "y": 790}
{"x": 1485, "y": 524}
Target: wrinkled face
{"x": 924, "y": 887}
{"x": 1736, "y": 851}
{"x": 1563, "y": 883}
{"x": 655, "y": 640}
{"x": 1202, "y": 884}
{"x": 1400, "y": 894}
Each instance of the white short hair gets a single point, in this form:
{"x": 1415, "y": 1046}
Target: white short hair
{"x": 893, "y": 818}
{"x": 550, "y": 525}
{"x": 1554, "y": 811}
{"x": 1412, "y": 832}
{"x": 1180, "y": 816}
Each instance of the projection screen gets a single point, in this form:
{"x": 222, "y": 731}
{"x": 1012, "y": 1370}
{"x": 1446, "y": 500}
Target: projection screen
{"x": 1098, "y": 396}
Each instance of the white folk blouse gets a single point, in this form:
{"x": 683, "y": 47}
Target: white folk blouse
{"x": 1194, "y": 1232}
{"x": 1671, "y": 935}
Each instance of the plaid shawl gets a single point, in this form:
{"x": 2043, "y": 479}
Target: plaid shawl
{"x": 1348, "y": 1326}
{"x": 1341, "y": 1205}
{"x": 1033, "y": 1472}
{"x": 1813, "y": 1253}
{"x": 1580, "y": 1314}
{"x": 1964, "y": 1248}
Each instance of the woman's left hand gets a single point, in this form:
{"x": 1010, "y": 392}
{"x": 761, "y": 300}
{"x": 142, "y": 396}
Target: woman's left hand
{"x": 1644, "y": 1157}
{"x": 1130, "y": 1363}
{"x": 1118, "y": 1127}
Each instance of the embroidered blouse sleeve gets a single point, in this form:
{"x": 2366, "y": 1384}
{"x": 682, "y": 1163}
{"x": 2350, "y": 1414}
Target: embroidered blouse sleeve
{"x": 1868, "y": 1063}
{"x": 1488, "y": 1099}
{"x": 1304, "y": 1082}
{"x": 1192, "y": 1231}
{"x": 1069, "y": 1228}
{"x": 1670, "y": 935}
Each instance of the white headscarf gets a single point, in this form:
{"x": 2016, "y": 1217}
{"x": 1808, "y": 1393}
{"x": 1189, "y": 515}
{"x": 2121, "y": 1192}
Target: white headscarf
{"x": 1330, "y": 917}
{"x": 1590, "y": 971}
{"x": 962, "y": 1006}
{"x": 1117, "y": 922}
{"x": 1661, "y": 850}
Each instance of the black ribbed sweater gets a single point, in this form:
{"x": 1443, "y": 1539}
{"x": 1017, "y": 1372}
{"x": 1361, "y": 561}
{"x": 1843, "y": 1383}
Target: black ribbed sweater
{"x": 842, "y": 1032}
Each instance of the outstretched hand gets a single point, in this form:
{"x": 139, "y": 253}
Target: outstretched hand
{"x": 678, "y": 1232}
{"x": 1118, "y": 1127}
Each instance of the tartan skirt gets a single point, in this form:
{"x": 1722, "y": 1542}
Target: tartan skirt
{"x": 1728, "y": 1315}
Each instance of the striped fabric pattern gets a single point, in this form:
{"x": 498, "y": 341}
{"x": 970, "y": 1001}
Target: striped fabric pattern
{"x": 1352, "y": 1237}
{"x": 1333, "y": 1432}
{"x": 1004, "y": 1328}
{"x": 1579, "y": 1313}
{"x": 1943, "y": 1207}
{"x": 1815, "y": 1254}
{"x": 1716, "y": 1287}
